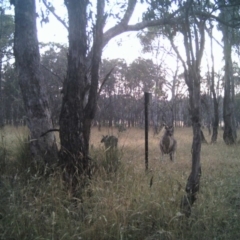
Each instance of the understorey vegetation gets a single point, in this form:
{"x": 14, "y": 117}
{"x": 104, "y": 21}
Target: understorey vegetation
{"x": 127, "y": 203}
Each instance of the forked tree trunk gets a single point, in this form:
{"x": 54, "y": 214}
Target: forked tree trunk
{"x": 79, "y": 93}
{"x": 193, "y": 80}
{"x": 43, "y": 149}
{"x": 192, "y": 77}
{"x": 74, "y": 129}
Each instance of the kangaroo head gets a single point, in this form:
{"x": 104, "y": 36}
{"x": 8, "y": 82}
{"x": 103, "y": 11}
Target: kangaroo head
{"x": 104, "y": 138}
{"x": 169, "y": 130}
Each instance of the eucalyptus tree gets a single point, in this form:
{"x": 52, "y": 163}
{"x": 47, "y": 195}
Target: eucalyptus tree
{"x": 229, "y": 15}
{"x": 211, "y": 76}
{"x": 26, "y": 51}
{"x": 191, "y": 30}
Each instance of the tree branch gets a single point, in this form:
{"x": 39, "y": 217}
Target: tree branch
{"x": 207, "y": 15}
{"x": 50, "y": 130}
{"x": 211, "y": 36}
{"x": 54, "y": 14}
{"x": 171, "y": 20}
{"x": 53, "y": 73}
{"x": 124, "y": 27}
{"x": 128, "y": 14}
{"x": 104, "y": 80}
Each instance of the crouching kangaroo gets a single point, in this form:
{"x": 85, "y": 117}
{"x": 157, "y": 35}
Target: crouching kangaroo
{"x": 110, "y": 142}
{"x": 168, "y": 144}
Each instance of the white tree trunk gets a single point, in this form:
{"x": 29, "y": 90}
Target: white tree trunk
{"x": 43, "y": 149}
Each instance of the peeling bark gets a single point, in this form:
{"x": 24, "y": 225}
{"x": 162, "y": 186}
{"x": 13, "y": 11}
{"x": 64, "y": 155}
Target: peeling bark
{"x": 43, "y": 149}
{"x": 79, "y": 92}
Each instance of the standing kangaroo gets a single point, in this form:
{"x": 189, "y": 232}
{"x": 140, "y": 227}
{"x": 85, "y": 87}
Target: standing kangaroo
{"x": 168, "y": 144}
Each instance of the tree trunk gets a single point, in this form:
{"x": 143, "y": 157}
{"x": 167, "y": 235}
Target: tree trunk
{"x": 79, "y": 93}
{"x": 43, "y": 149}
{"x": 193, "y": 80}
{"x": 230, "y": 133}
{"x": 211, "y": 76}
{"x": 215, "y": 120}
{"x": 1, "y": 97}
{"x": 74, "y": 130}
{"x": 1, "y": 57}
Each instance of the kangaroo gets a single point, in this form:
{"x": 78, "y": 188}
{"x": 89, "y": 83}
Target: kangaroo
{"x": 110, "y": 142}
{"x": 168, "y": 144}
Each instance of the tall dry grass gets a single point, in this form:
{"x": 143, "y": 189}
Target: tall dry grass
{"x": 125, "y": 204}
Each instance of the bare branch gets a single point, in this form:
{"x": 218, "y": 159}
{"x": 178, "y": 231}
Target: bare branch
{"x": 96, "y": 58}
{"x": 53, "y": 73}
{"x": 105, "y": 80}
{"x": 50, "y": 130}
{"x": 211, "y": 36}
{"x": 178, "y": 54}
{"x": 54, "y": 14}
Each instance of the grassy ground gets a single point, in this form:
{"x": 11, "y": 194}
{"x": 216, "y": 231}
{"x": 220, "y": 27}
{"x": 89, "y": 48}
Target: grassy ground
{"x": 121, "y": 204}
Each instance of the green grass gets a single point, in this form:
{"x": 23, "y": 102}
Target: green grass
{"x": 121, "y": 204}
